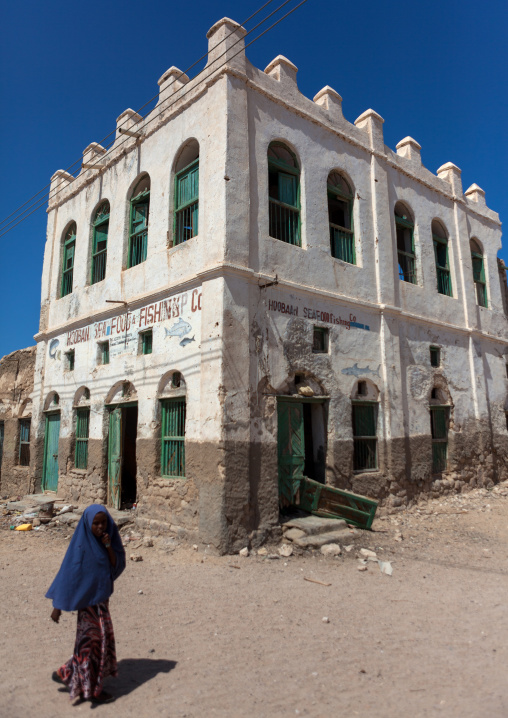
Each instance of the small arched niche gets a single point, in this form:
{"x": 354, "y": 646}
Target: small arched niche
{"x": 82, "y": 397}
{"x": 25, "y": 410}
{"x": 365, "y": 390}
{"x": 123, "y": 391}
{"x": 172, "y": 384}
{"x": 52, "y": 401}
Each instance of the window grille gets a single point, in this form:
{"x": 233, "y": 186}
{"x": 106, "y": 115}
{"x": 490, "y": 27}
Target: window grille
{"x": 283, "y": 195}
{"x": 173, "y": 438}
{"x": 24, "y": 442}
{"x": 138, "y": 233}
{"x": 479, "y": 278}
{"x": 100, "y": 243}
{"x": 82, "y": 432}
{"x": 340, "y": 217}
{"x": 405, "y": 246}
{"x": 187, "y": 203}
{"x": 439, "y": 416}
{"x": 444, "y": 282}
{"x": 69, "y": 247}
{"x": 146, "y": 342}
{"x": 365, "y": 436}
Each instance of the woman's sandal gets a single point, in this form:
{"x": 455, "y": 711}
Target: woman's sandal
{"x": 103, "y": 698}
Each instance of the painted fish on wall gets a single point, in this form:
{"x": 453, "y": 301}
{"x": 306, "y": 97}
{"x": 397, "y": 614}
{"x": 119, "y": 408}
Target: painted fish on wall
{"x": 356, "y": 371}
{"x": 179, "y": 329}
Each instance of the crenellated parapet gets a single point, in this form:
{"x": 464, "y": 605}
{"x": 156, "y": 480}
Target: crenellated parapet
{"x": 278, "y": 82}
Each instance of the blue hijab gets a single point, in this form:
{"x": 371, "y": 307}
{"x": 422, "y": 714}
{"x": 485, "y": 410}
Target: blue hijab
{"x": 86, "y": 575}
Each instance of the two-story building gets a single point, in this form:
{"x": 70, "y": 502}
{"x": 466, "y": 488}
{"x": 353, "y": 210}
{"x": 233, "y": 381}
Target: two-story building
{"x": 247, "y": 287}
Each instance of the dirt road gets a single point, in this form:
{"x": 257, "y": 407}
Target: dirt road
{"x": 205, "y": 639}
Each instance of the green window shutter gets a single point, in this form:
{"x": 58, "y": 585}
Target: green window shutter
{"x": 186, "y": 203}
{"x": 173, "y": 415}
{"x": 99, "y": 255}
{"x": 140, "y": 210}
{"x": 146, "y": 339}
{"x": 68, "y": 261}
{"x": 444, "y": 282}
{"x": 364, "y": 420}
{"x": 82, "y": 433}
{"x": 288, "y": 189}
{"x": 479, "y": 279}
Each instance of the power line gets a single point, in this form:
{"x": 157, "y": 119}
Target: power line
{"x": 142, "y": 106}
{"x": 35, "y": 206}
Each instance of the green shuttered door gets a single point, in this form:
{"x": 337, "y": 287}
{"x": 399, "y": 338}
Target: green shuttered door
{"x": 291, "y": 449}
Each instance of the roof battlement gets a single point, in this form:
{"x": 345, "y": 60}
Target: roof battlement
{"x": 226, "y": 55}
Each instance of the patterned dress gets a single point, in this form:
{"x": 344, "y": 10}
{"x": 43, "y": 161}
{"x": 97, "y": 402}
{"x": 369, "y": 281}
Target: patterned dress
{"x": 94, "y": 657}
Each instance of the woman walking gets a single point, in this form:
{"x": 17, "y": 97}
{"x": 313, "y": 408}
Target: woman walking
{"x": 94, "y": 559}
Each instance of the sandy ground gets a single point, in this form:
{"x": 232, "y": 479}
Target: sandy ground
{"x": 206, "y": 639}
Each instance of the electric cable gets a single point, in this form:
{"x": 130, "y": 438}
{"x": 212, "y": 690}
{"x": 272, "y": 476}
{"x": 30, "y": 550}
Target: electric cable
{"x": 184, "y": 72}
{"x": 42, "y": 201}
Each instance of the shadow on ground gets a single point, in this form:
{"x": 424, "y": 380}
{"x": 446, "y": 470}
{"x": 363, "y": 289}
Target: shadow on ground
{"x": 133, "y": 672}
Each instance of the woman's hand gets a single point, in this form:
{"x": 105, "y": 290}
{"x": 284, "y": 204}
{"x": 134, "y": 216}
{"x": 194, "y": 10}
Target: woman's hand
{"x": 55, "y": 614}
{"x": 106, "y": 540}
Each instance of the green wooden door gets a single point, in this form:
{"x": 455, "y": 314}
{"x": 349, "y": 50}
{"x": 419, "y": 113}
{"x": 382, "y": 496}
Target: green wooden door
{"x": 50, "y": 468}
{"x": 114, "y": 458}
{"x": 291, "y": 450}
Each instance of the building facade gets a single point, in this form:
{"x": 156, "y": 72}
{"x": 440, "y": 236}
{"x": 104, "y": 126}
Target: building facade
{"x": 16, "y": 387}
{"x": 247, "y": 288}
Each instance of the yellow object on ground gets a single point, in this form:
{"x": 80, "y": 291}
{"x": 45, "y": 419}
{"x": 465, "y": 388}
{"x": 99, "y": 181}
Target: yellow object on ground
{"x": 24, "y": 527}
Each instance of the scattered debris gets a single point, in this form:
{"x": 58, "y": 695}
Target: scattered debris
{"x": 325, "y": 619}
{"x": 273, "y": 556}
{"x": 136, "y": 557}
{"x": 362, "y": 567}
{"x": 398, "y": 536}
{"x": 368, "y": 553}
{"x": 148, "y": 541}
{"x": 233, "y": 565}
{"x": 244, "y": 551}
{"x": 24, "y": 527}
{"x": 195, "y": 546}
{"x": 386, "y": 567}
{"x": 313, "y": 580}
{"x": 262, "y": 551}
{"x": 331, "y": 549}
{"x": 349, "y": 548}
{"x": 140, "y": 591}
{"x": 285, "y": 550}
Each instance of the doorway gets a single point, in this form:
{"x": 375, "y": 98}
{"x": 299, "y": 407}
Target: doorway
{"x": 301, "y": 443}
{"x": 122, "y": 465}
{"x": 50, "y": 466}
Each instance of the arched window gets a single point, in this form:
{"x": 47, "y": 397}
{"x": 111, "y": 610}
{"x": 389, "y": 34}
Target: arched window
{"x": 404, "y": 227}
{"x": 440, "y": 239}
{"x": 340, "y": 217}
{"x": 138, "y": 225}
{"x": 439, "y": 423}
{"x": 365, "y": 412}
{"x": 100, "y": 242}
{"x": 284, "y": 194}
{"x": 187, "y": 194}
{"x": 479, "y": 273}
{"x": 69, "y": 247}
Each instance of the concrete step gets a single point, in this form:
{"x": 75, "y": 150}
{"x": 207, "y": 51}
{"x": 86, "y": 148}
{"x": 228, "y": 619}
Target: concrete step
{"x": 312, "y": 525}
{"x": 318, "y": 540}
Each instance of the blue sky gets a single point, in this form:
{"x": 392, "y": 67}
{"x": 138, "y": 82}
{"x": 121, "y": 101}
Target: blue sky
{"x": 435, "y": 70}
